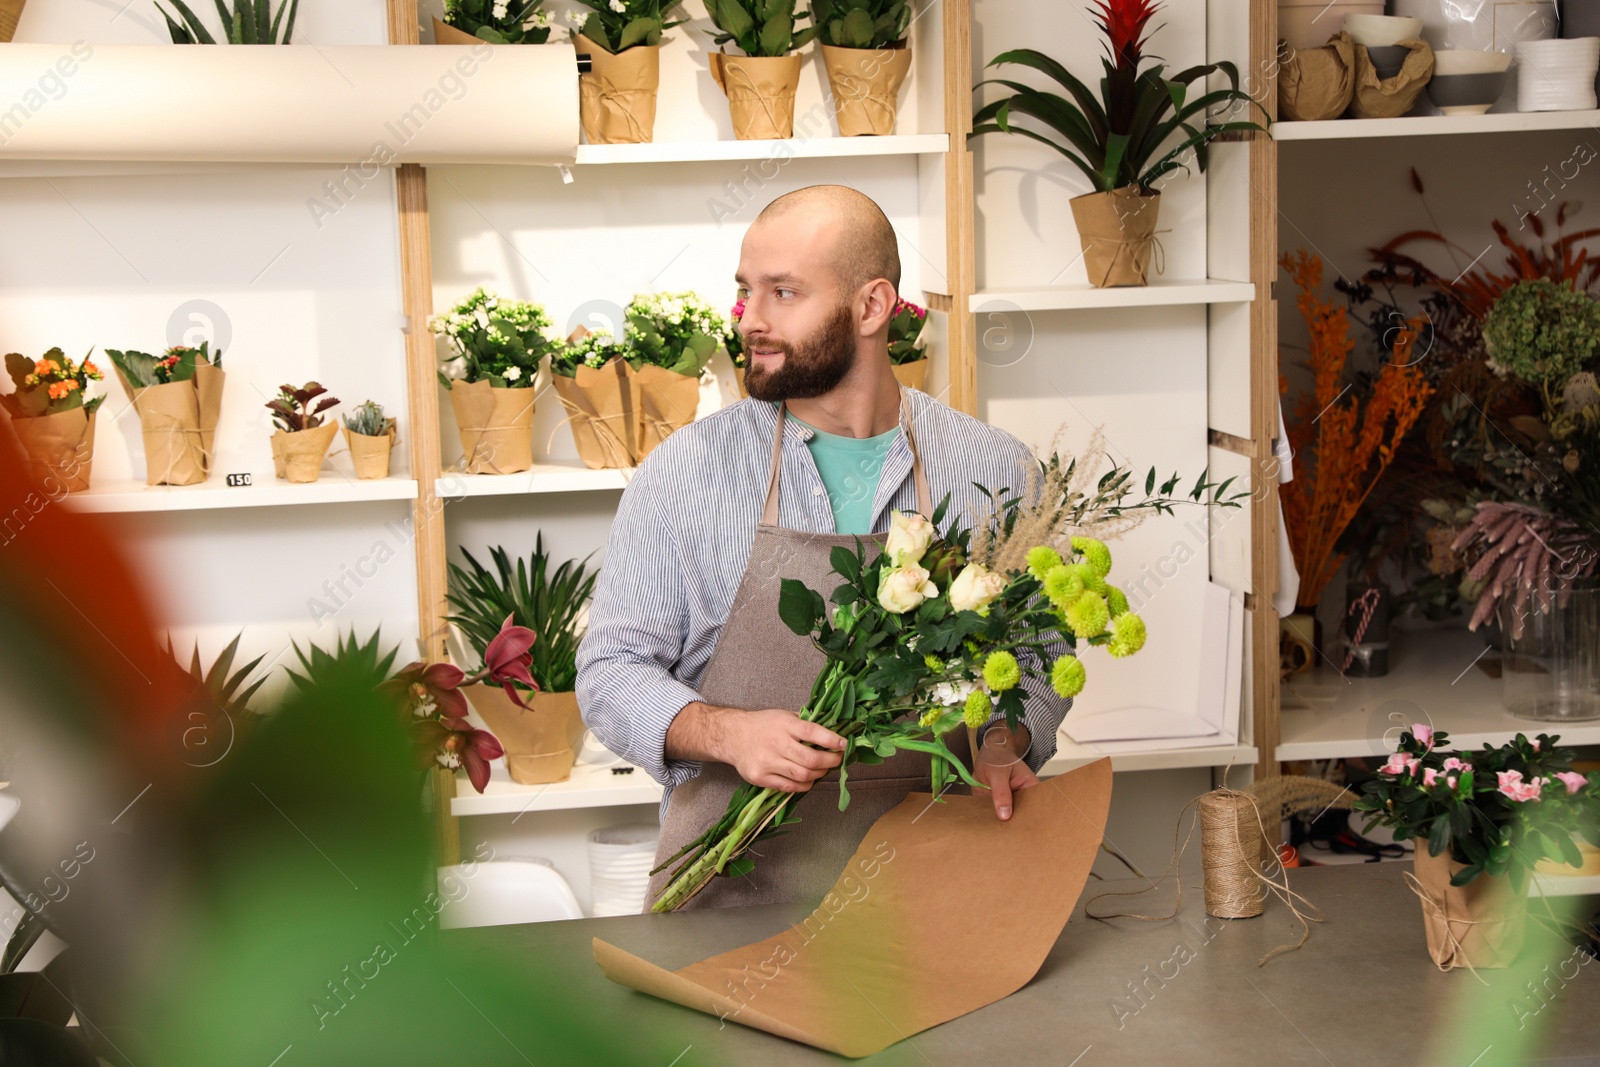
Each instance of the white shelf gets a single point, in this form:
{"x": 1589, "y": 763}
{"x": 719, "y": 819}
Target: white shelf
{"x": 1564, "y": 885}
{"x": 1156, "y": 294}
{"x": 1070, "y": 755}
{"x": 540, "y": 478}
{"x": 801, "y": 148}
{"x": 591, "y": 786}
{"x": 215, "y": 493}
{"x": 1431, "y": 125}
{"x": 1432, "y": 679}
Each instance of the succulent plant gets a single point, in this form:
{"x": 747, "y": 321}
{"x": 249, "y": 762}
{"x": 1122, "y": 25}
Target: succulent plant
{"x": 292, "y": 410}
{"x": 368, "y": 420}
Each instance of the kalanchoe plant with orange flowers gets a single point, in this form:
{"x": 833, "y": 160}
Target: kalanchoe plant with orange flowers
{"x": 51, "y": 385}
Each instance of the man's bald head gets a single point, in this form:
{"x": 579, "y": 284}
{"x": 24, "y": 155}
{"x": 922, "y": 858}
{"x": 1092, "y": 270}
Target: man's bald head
{"x": 865, "y": 245}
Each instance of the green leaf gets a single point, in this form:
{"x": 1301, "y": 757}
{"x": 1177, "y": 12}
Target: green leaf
{"x": 777, "y": 35}
{"x": 639, "y": 31}
{"x": 196, "y": 28}
{"x": 799, "y": 607}
{"x": 856, "y": 29}
{"x": 845, "y": 563}
{"x": 738, "y": 868}
{"x": 1439, "y": 835}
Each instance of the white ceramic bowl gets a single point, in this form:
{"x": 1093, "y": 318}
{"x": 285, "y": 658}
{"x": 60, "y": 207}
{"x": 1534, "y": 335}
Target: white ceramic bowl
{"x": 1377, "y": 31}
{"x": 1461, "y": 61}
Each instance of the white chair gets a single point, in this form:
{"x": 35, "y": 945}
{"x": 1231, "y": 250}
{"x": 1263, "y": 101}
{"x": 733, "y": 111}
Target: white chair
{"x": 502, "y": 892}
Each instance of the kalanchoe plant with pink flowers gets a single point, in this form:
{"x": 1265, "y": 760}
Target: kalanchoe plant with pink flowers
{"x": 1498, "y": 811}
{"x": 905, "y": 332}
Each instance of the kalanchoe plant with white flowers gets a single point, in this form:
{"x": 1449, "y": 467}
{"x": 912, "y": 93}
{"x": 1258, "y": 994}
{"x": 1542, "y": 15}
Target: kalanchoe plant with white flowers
{"x": 675, "y": 331}
{"x": 500, "y": 21}
{"x": 594, "y": 349}
{"x": 493, "y": 339}
{"x": 1497, "y": 811}
{"x": 616, "y": 25}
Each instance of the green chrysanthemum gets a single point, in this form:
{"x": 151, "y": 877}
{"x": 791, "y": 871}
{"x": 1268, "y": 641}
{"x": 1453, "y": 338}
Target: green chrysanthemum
{"x": 1127, "y": 635}
{"x": 930, "y": 716}
{"x": 1067, "y": 676}
{"x": 1092, "y": 579}
{"x": 1088, "y": 615}
{"x": 1042, "y": 559}
{"x": 1063, "y": 585}
{"x": 1001, "y": 671}
{"x": 934, "y": 663}
{"x": 1116, "y": 600}
{"x": 1095, "y": 552}
{"x": 979, "y": 707}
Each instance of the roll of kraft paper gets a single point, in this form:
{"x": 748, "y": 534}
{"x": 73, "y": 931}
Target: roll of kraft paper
{"x": 373, "y": 105}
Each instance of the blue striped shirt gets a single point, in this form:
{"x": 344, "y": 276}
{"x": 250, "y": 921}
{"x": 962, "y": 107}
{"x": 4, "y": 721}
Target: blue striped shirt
{"x": 682, "y": 536}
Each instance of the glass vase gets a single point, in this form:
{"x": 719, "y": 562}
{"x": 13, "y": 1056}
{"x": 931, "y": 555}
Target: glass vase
{"x": 1551, "y": 671}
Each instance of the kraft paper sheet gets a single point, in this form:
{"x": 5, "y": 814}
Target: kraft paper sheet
{"x": 941, "y": 911}
{"x": 495, "y": 426}
{"x": 59, "y": 446}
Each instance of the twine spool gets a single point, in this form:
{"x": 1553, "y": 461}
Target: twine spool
{"x": 1229, "y": 853}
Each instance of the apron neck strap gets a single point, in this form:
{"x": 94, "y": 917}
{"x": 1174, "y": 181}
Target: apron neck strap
{"x": 769, "y": 511}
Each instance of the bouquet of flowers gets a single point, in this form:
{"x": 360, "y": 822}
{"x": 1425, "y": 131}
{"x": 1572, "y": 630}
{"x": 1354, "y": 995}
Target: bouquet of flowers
{"x": 935, "y": 632}
{"x": 670, "y": 337}
{"x": 497, "y": 345}
{"x": 51, "y": 415}
{"x": 498, "y": 21}
{"x": 179, "y": 398}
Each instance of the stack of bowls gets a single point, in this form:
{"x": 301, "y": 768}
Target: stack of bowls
{"x": 1557, "y": 75}
{"x": 620, "y": 858}
{"x": 1467, "y": 83}
{"x": 1382, "y": 34}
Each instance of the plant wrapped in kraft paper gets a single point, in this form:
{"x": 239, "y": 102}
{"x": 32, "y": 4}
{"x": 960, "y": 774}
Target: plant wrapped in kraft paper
{"x": 369, "y": 434}
{"x": 601, "y": 394}
{"x": 495, "y": 21}
{"x": 760, "y": 84}
{"x": 622, "y": 38}
{"x": 52, "y": 417}
{"x": 1141, "y": 130}
{"x": 496, "y": 345}
{"x": 1481, "y": 821}
{"x": 300, "y": 442}
{"x": 867, "y": 56}
{"x": 932, "y": 632}
{"x": 540, "y": 730}
{"x": 671, "y": 337}
{"x": 178, "y": 397}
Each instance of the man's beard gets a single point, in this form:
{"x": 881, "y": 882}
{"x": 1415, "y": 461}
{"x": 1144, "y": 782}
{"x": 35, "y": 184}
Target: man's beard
{"x": 810, "y": 367}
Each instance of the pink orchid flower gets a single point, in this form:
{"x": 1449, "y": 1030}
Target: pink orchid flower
{"x": 430, "y": 689}
{"x": 1572, "y": 780}
{"x": 456, "y": 743}
{"x": 508, "y": 659}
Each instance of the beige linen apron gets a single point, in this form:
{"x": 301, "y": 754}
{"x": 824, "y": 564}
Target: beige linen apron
{"x": 758, "y": 663}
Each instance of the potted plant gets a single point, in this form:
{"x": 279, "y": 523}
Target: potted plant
{"x": 496, "y": 345}
{"x": 867, "y": 56}
{"x": 671, "y": 336}
{"x": 1136, "y": 135}
{"x": 1480, "y": 825}
{"x": 617, "y": 95}
{"x": 249, "y": 23}
{"x": 369, "y": 434}
{"x": 541, "y": 734}
{"x": 178, "y": 398}
{"x": 601, "y": 395}
{"x": 760, "y": 84}
{"x": 495, "y": 21}
{"x": 51, "y": 416}
{"x": 301, "y": 440}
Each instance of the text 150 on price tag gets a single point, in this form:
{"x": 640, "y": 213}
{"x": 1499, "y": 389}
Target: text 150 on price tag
{"x": 235, "y": 480}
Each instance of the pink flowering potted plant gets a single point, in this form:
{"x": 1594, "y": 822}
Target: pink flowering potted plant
{"x": 1482, "y": 820}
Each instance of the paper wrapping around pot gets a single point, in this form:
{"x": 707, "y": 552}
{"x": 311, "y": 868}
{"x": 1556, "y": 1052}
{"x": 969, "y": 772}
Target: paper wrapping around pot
{"x": 178, "y": 421}
{"x": 913, "y": 375}
{"x": 298, "y": 456}
{"x": 445, "y": 34}
{"x": 1315, "y": 84}
{"x": 1480, "y": 924}
{"x": 865, "y": 83}
{"x": 942, "y": 910}
{"x": 10, "y": 15}
{"x": 760, "y": 91}
{"x": 369, "y": 453}
{"x": 617, "y": 98}
{"x": 667, "y": 402}
{"x": 1387, "y": 98}
{"x": 1117, "y": 231}
{"x": 59, "y": 447}
{"x": 603, "y": 409}
{"x": 540, "y": 744}
{"x": 496, "y": 427}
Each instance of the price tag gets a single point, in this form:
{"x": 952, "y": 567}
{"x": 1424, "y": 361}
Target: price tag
{"x": 235, "y": 480}
{"x": 622, "y": 770}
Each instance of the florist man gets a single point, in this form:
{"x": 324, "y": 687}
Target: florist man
{"x": 686, "y": 668}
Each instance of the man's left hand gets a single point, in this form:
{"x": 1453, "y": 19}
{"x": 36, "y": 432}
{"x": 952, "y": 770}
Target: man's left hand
{"x": 999, "y": 766}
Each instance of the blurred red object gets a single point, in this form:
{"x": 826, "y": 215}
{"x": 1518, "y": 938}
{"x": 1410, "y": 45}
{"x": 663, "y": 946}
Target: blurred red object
{"x": 1289, "y": 855}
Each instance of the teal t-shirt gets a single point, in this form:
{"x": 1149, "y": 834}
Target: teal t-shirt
{"x": 850, "y": 468}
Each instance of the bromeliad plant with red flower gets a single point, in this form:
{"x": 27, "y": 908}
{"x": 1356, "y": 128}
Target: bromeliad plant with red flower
{"x": 1496, "y": 812}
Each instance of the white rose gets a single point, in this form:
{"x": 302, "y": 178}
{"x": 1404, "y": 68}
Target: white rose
{"x": 903, "y": 589}
{"x": 975, "y": 588}
{"x": 910, "y": 534}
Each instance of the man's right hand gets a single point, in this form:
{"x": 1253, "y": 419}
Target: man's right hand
{"x": 770, "y": 749}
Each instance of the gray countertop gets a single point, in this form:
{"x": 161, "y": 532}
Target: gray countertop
{"x": 1362, "y": 991}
